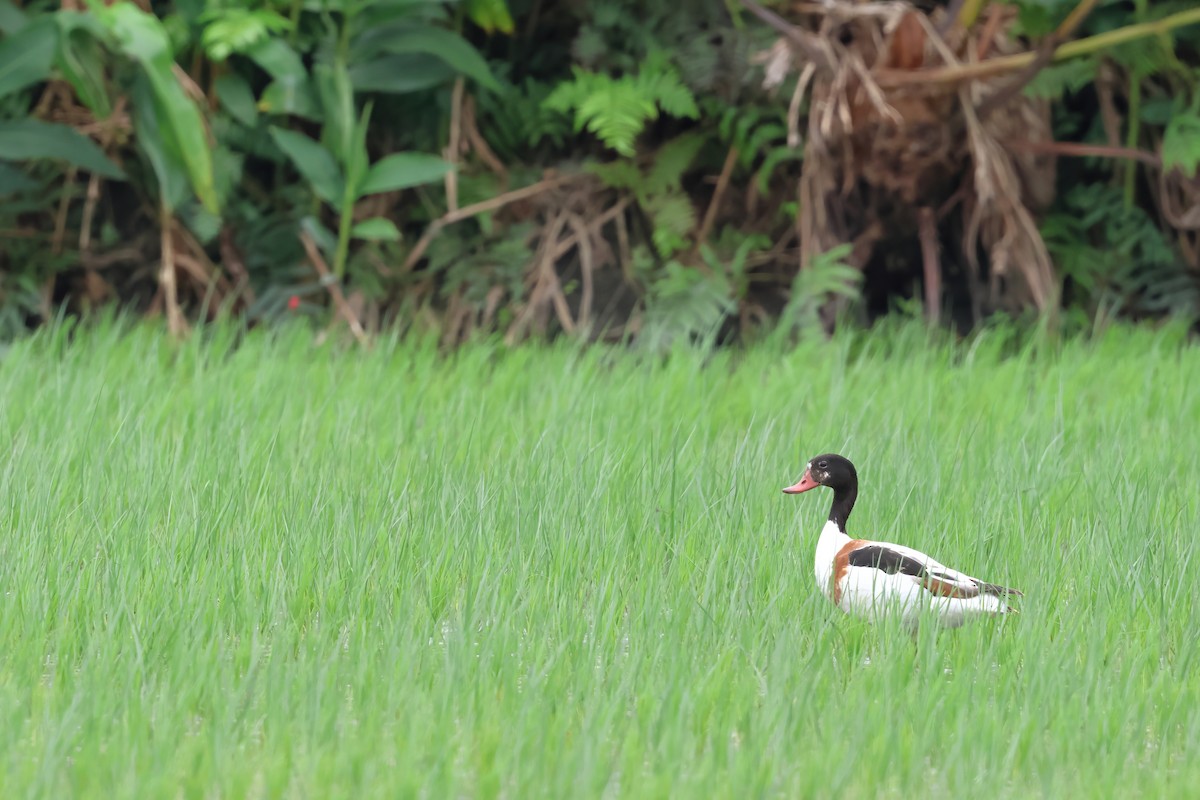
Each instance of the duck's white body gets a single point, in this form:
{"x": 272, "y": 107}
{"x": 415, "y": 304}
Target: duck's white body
{"x": 871, "y": 593}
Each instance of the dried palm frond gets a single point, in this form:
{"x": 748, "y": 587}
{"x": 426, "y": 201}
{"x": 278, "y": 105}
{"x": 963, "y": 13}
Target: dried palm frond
{"x": 878, "y": 158}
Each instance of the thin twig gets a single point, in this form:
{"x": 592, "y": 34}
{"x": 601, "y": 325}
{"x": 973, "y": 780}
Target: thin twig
{"x": 456, "y": 102}
{"x": 952, "y": 12}
{"x": 714, "y": 204}
{"x": 990, "y": 28}
{"x": 1045, "y": 53}
{"x": 595, "y": 225}
{"x": 806, "y": 42}
{"x": 1083, "y": 150}
{"x": 89, "y": 211}
{"x": 544, "y": 283}
{"x": 793, "y": 134}
{"x": 335, "y": 290}
{"x": 996, "y": 66}
{"x": 64, "y": 204}
{"x": 927, "y": 228}
{"x": 479, "y": 144}
{"x": 466, "y": 212}
{"x": 624, "y": 254}
{"x": 231, "y": 262}
{"x": 175, "y": 323}
{"x": 586, "y": 269}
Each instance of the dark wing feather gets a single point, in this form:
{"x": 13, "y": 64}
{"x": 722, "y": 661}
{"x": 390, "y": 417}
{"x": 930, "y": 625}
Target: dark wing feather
{"x": 947, "y": 583}
{"x": 886, "y": 560}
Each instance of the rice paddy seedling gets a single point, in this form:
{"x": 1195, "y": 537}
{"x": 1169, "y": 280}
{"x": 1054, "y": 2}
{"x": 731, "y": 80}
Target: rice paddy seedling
{"x": 257, "y": 568}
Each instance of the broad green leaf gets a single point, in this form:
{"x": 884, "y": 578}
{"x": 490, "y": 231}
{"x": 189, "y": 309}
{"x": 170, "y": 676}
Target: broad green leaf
{"x": 26, "y": 139}
{"x": 314, "y": 162}
{"x": 182, "y": 122}
{"x": 229, "y": 164}
{"x": 290, "y": 96}
{"x": 451, "y": 48}
{"x": 378, "y": 13}
{"x": 1181, "y": 143}
{"x": 278, "y": 59}
{"x": 357, "y": 160}
{"x": 81, "y": 60}
{"x": 236, "y": 97}
{"x": 403, "y": 170}
{"x": 157, "y": 146}
{"x": 376, "y": 229}
{"x": 12, "y": 19}
{"x": 140, "y": 36}
{"x": 337, "y": 104}
{"x": 400, "y": 74}
{"x": 26, "y": 56}
{"x": 143, "y": 38}
{"x": 1160, "y": 110}
{"x": 14, "y": 181}
{"x": 491, "y": 15}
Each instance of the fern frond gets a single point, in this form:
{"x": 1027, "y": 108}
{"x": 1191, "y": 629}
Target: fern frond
{"x": 674, "y": 217}
{"x": 671, "y": 161}
{"x": 1068, "y": 77}
{"x": 616, "y": 114}
{"x": 620, "y": 174}
{"x": 684, "y": 304}
{"x": 617, "y": 109}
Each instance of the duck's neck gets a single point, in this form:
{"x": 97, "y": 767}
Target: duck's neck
{"x": 843, "y": 504}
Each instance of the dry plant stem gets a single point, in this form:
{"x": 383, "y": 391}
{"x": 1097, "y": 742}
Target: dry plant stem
{"x": 479, "y": 145}
{"x": 60, "y": 219}
{"x": 991, "y": 27}
{"x": 466, "y": 212}
{"x": 581, "y": 239}
{"x": 231, "y": 261}
{"x": 996, "y": 66}
{"x": 952, "y": 12}
{"x": 586, "y": 269}
{"x": 89, "y": 211}
{"x": 623, "y": 252}
{"x": 1075, "y": 18}
{"x": 545, "y": 284}
{"x": 1106, "y": 96}
{"x": 927, "y": 227}
{"x": 1083, "y": 150}
{"x": 175, "y": 323}
{"x": 807, "y": 43}
{"x": 793, "y": 136}
{"x": 1045, "y": 53}
{"x": 710, "y": 215}
{"x": 456, "y": 103}
{"x": 594, "y": 226}
{"x": 335, "y": 290}
{"x": 998, "y": 207}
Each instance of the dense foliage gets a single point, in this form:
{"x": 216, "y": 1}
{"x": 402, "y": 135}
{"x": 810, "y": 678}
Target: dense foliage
{"x": 613, "y": 169}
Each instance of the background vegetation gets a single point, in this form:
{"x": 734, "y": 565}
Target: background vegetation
{"x": 651, "y": 171}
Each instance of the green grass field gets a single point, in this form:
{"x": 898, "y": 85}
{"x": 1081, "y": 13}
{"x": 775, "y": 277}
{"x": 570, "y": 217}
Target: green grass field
{"x": 274, "y": 570}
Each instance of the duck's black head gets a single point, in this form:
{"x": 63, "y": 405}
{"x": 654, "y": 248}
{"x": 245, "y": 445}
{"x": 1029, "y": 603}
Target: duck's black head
{"x": 829, "y": 470}
{"x": 838, "y": 474}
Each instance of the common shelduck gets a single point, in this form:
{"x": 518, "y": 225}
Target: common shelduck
{"x": 872, "y": 579}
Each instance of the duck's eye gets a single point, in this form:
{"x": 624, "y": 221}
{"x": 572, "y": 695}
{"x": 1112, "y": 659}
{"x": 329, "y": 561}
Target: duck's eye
{"x": 823, "y": 465}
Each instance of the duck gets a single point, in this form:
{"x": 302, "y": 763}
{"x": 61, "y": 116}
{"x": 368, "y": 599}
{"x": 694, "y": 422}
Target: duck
{"x": 873, "y": 580}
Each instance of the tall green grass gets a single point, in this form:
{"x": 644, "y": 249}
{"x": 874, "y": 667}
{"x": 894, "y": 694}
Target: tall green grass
{"x": 274, "y": 570}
